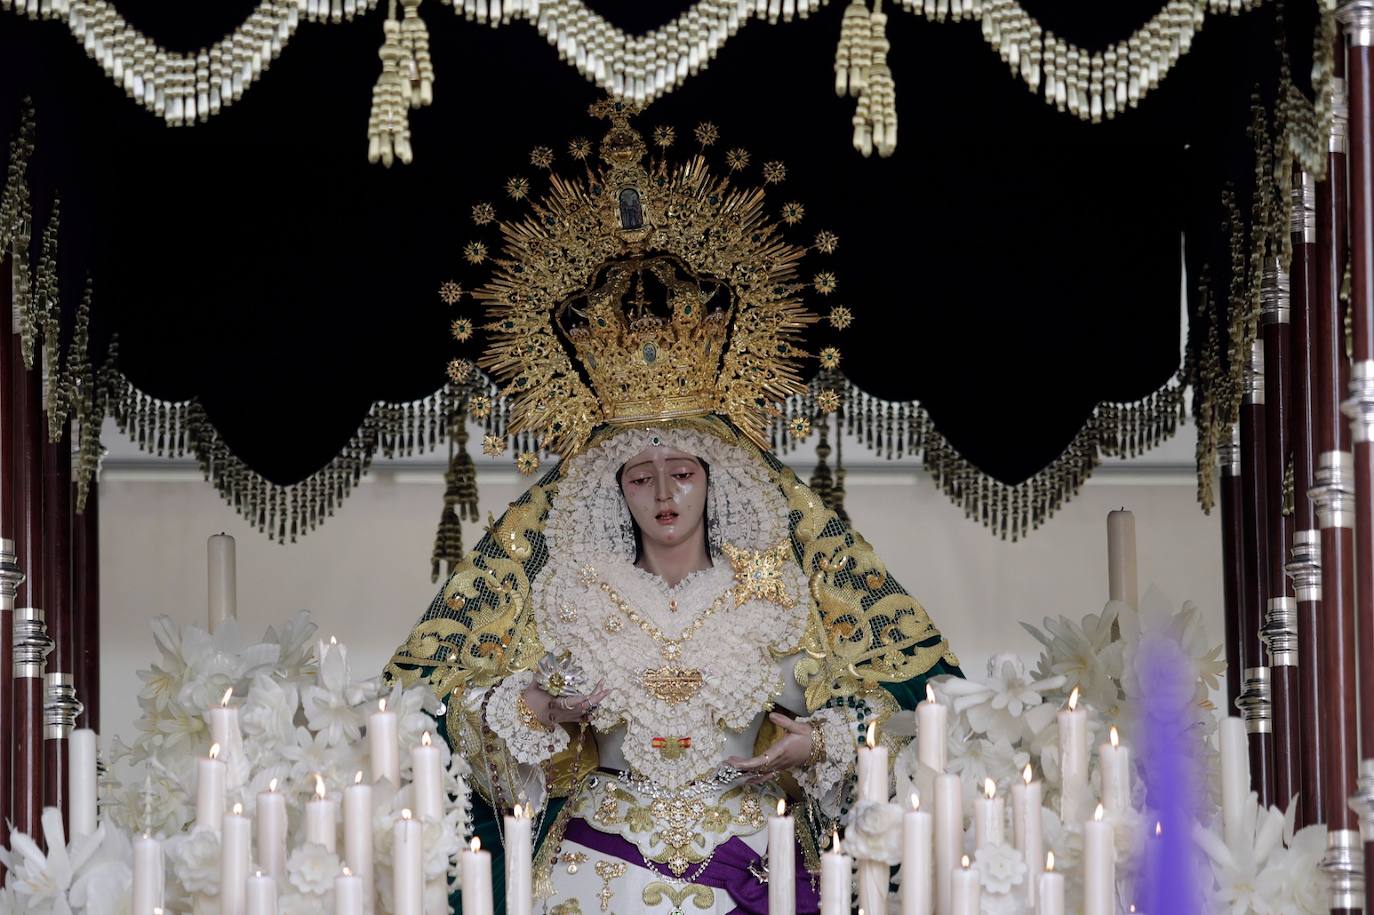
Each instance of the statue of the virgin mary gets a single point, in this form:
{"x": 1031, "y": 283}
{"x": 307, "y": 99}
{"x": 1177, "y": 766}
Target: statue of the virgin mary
{"x": 668, "y": 632}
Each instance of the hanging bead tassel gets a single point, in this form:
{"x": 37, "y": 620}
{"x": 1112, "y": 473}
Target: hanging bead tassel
{"x": 415, "y": 40}
{"x": 875, "y": 114}
{"x": 851, "y": 53}
{"x": 388, "y": 128}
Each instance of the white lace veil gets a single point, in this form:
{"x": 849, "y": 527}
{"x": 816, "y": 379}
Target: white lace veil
{"x": 589, "y": 519}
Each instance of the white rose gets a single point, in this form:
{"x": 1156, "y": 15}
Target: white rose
{"x": 312, "y": 868}
{"x": 875, "y": 832}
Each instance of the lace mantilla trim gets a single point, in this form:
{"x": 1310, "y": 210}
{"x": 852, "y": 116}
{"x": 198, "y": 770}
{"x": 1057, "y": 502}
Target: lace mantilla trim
{"x": 526, "y": 745}
{"x": 824, "y": 781}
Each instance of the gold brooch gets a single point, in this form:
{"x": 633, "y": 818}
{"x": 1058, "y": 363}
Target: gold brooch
{"x": 758, "y": 574}
{"x": 672, "y": 684}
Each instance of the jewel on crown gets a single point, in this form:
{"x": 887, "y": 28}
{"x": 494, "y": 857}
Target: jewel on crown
{"x": 646, "y": 362}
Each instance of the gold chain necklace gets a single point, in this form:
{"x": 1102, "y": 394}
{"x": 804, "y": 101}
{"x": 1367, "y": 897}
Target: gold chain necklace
{"x": 670, "y": 648}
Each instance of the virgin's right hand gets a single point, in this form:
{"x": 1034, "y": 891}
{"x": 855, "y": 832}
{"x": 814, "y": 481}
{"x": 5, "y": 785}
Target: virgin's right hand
{"x": 571, "y": 707}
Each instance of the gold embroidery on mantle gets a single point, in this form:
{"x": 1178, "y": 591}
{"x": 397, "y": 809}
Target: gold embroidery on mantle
{"x": 703, "y": 897}
{"x": 758, "y": 574}
{"x": 673, "y": 684}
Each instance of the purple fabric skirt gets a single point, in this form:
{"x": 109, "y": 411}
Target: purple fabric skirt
{"x": 728, "y": 869}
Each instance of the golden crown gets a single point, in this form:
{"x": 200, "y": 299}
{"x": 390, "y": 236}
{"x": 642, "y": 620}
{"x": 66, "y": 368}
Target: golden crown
{"x": 645, "y": 291}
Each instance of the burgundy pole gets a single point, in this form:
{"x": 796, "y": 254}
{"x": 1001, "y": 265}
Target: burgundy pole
{"x": 1358, "y": 18}
{"x": 31, "y": 642}
{"x": 1232, "y": 565}
{"x": 1280, "y": 630}
{"x": 60, "y": 705}
{"x": 1254, "y": 702}
{"x": 1334, "y": 498}
{"x": 10, "y": 576}
{"x": 86, "y": 597}
{"x": 1305, "y": 568}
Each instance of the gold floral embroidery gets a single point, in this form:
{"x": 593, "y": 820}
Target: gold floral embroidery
{"x": 703, "y": 897}
{"x": 758, "y": 574}
{"x": 572, "y": 859}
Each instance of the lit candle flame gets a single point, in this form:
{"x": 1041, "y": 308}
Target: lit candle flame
{"x": 835, "y": 843}
{"x": 476, "y": 844}
{"x": 1132, "y": 909}
{"x": 424, "y": 739}
{"x": 157, "y": 910}
{"x": 782, "y": 807}
{"x": 963, "y": 862}
{"x": 915, "y": 801}
{"x": 989, "y": 788}
{"x": 1115, "y": 738}
{"x": 930, "y": 693}
{"x": 346, "y": 872}
{"x": 1049, "y": 861}
{"x": 1026, "y": 774}
{"x": 381, "y": 705}
{"x": 1073, "y": 699}
{"x": 228, "y": 694}
{"x": 1159, "y": 828}
{"x": 238, "y": 810}
{"x": 259, "y": 873}
{"x": 358, "y": 777}
{"x": 272, "y": 785}
{"x": 1097, "y": 814}
{"x": 872, "y": 738}
{"x": 214, "y": 751}
{"x": 319, "y": 786}
{"x": 333, "y": 641}
{"x": 405, "y": 813}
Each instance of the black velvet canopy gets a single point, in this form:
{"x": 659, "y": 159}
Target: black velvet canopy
{"x": 1010, "y": 266}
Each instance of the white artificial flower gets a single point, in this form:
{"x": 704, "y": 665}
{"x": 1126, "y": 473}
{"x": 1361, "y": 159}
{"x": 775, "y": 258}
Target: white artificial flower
{"x": 1000, "y": 868}
{"x": 312, "y": 869}
{"x": 1007, "y": 705}
{"x": 1243, "y": 872}
{"x": 875, "y": 832}
{"x": 975, "y": 759}
{"x": 268, "y": 714}
{"x": 194, "y": 859}
{"x": 219, "y": 660}
{"x": 105, "y": 885}
{"x": 162, "y": 682}
{"x": 1084, "y": 654}
{"x": 331, "y": 706}
{"x": 156, "y": 804}
{"x": 46, "y": 882}
{"x": 295, "y": 663}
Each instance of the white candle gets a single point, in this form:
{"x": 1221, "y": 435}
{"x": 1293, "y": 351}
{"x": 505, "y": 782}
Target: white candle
{"x": 210, "y": 790}
{"x": 383, "y": 744}
{"x": 148, "y": 876}
{"x": 233, "y": 862}
{"x": 965, "y": 892}
{"x": 1121, "y": 568}
{"x": 519, "y": 858}
{"x": 1235, "y": 777}
{"x": 1051, "y": 890}
{"x": 835, "y": 887}
{"x": 476, "y": 874}
{"x": 949, "y": 836}
{"x": 782, "y": 866}
{"x": 358, "y": 836}
{"x": 1114, "y": 762}
{"x": 262, "y": 895}
{"x": 348, "y": 893}
{"x": 407, "y": 867}
{"x": 224, "y": 725}
{"x": 1073, "y": 759}
{"x": 271, "y": 832}
{"x": 872, "y": 786}
{"x": 1026, "y": 801}
{"x": 1099, "y": 866}
{"x": 918, "y": 830}
{"x": 988, "y": 813}
{"x": 321, "y": 818}
{"x": 81, "y": 787}
{"x": 223, "y": 597}
{"x": 932, "y": 732}
{"x": 427, "y": 774}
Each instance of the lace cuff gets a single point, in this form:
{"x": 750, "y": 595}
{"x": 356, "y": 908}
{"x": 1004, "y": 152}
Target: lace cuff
{"x": 825, "y": 781}
{"x": 528, "y": 745}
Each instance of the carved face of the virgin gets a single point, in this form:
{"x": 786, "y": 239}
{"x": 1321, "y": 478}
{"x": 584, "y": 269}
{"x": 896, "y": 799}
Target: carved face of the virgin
{"x": 665, "y": 490}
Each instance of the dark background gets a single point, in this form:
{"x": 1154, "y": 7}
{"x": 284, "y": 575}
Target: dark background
{"x": 1010, "y": 266}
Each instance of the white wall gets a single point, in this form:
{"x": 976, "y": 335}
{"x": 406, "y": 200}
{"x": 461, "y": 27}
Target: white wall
{"x": 364, "y": 574}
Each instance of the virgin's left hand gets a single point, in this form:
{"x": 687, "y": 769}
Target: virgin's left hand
{"x": 793, "y": 750}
